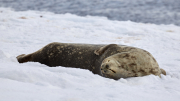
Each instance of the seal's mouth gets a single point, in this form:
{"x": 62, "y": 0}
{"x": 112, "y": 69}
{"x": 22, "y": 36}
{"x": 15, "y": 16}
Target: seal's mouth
{"x": 112, "y": 70}
{"x": 105, "y": 71}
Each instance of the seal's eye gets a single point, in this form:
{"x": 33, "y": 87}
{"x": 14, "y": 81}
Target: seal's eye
{"x": 107, "y": 66}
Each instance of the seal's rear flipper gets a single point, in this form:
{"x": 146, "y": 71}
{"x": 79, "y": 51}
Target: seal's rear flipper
{"x": 163, "y": 71}
{"x": 23, "y": 58}
{"x": 101, "y": 50}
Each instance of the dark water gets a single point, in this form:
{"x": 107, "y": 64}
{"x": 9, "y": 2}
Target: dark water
{"x": 146, "y": 11}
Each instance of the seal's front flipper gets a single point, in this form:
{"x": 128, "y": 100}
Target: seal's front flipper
{"x": 101, "y": 50}
{"x": 23, "y": 58}
{"x": 163, "y": 71}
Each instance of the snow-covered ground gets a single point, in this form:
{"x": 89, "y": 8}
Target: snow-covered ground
{"x": 26, "y": 32}
{"x": 146, "y": 11}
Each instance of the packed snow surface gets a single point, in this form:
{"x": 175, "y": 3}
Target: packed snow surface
{"x": 146, "y": 11}
{"x": 26, "y": 32}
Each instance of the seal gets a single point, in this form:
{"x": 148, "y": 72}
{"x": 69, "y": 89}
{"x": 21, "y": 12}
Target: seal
{"x": 110, "y": 61}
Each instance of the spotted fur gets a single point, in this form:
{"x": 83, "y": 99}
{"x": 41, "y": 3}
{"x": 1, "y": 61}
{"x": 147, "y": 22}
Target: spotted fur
{"x": 123, "y": 61}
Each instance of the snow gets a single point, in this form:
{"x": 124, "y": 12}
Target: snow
{"x": 27, "y": 31}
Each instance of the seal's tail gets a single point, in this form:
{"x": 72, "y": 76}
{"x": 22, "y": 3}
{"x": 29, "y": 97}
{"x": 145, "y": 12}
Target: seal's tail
{"x": 163, "y": 71}
{"x": 23, "y": 58}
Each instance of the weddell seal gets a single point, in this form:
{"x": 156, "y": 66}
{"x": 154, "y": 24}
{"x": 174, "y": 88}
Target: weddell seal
{"x": 111, "y": 61}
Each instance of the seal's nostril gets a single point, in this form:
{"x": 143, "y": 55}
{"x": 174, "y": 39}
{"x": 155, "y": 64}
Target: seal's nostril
{"x": 107, "y": 66}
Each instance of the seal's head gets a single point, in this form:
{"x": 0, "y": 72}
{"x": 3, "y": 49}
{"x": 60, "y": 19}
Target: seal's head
{"x": 129, "y": 64}
{"x": 111, "y": 68}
